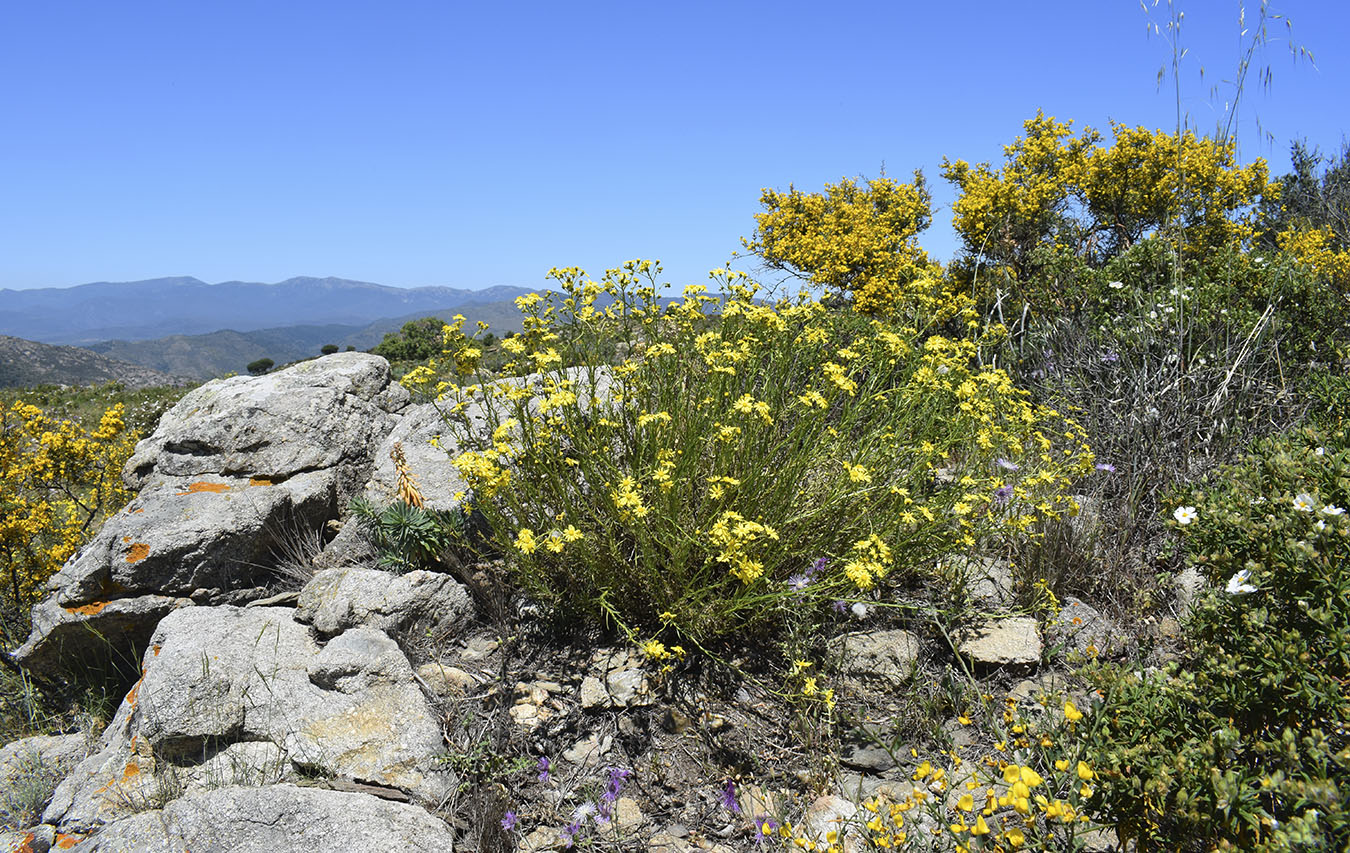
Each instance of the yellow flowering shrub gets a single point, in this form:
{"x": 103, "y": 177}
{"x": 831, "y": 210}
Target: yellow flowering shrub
{"x": 61, "y": 479}
{"x": 1060, "y": 194}
{"x": 672, "y": 466}
{"x": 859, "y": 240}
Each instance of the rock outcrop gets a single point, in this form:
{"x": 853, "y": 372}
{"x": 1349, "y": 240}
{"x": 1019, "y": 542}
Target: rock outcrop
{"x": 233, "y": 465}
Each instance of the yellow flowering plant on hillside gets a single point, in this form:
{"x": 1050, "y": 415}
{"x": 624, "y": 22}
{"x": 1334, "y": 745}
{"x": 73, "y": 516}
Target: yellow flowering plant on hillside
{"x": 859, "y": 240}
{"x": 1059, "y": 194}
{"x": 675, "y": 466}
{"x": 61, "y": 479}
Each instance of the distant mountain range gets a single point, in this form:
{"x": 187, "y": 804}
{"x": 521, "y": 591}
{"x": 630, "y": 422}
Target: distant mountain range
{"x": 161, "y": 307}
{"x": 230, "y": 351}
{"x": 27, "y": 363}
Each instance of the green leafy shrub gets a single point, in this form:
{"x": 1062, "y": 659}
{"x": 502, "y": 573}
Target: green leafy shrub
{"x": 407, "y": 537}
{"x": 1244, "y": 743}
{"x": 687, "y": 490}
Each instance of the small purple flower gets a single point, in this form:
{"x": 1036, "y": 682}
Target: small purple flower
{"x": 570, "y": 831}
{"x": 543, "y": 768}
{"x": 1006, "y": 464}
{"x": 1110, "y": 357}
{"x": 509, "y": 822}
{"x": 762, "y": 824}
{"x": 840, "y": 607}
{"x": 1003, "y": 494}
{"x": 818, "y": 566}
{"x": 729, "y": 798}
{"x": 798, "y": 582}
{"x": 1105, "y": 466}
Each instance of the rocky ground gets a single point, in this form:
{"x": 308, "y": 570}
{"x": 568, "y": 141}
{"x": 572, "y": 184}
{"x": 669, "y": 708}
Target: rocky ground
{"x": 325, "y": 704}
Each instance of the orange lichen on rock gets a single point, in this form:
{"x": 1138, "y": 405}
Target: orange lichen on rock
{"x": 137, "y": 552}
{"x": 90, "y": 609}
{"x": 131, "y": 771}
{"x": 126, "y": 539}
{"x": 203, "y": 486}
{"x": 259, "y": 481}
{"x": 26, "y": 845}
{"x": 66, "y": 842}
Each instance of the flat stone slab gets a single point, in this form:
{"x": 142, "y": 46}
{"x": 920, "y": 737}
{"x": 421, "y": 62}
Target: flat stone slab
{"x": 1015, "y": 641}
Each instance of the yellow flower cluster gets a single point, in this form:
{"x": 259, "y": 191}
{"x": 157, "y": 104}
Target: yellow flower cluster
{"x": 734, "y": 537}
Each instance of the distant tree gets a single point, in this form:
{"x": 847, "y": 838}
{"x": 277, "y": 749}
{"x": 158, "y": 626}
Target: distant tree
{"x": 489, "y": 340}
{"x": 328, "y": 349}
{"x": 418, "y": 340}
{"x": 261, "y": 366}
{"x": 351, "y": 348}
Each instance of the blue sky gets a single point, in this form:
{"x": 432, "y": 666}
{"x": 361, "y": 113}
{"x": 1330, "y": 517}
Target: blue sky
{"x": 415, "y": 143}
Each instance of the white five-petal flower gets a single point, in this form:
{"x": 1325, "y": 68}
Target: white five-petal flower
{"x": 1185, "y": 515}
{"x": 1237, "y": 584}
{"x": 1332, "y": 509}
{"x": 1303, "y": 503}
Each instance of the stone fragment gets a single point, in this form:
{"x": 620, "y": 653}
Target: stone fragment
{"x": 1080, "y": 630}
{"x": 888, "y": 657}
{"x": 417, "y": 603}
{"x": 1015, "y": 641}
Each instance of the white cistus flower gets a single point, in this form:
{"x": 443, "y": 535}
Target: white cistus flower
{"x": 1237, "y": 584}
{"x": 1304, "y": 503}
{"x": 1185, "y": 515}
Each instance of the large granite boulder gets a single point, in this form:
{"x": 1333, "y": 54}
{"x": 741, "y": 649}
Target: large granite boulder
{"x": 230, "y": 468}
{"x": 273, "y": 819}
{"x": 232, "y": 695}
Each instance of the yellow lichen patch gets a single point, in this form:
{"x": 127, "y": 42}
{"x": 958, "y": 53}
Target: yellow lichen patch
{"x": 131, "y": 771}
{"x": 203, "y": 486}
{"x": 126, "y": 539}
{"x": 259, "y": 481}
{"x": 89, "y": 609}
{"x": 137, "y": 552}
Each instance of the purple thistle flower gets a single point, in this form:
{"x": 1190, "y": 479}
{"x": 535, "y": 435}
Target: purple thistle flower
{"x": 509, "y": 822}
{"x": 543, "y": 768}
{"x": 1003, "y": 494}
{"x": 729, "y": 798}
{"x": 1105, "y": 466}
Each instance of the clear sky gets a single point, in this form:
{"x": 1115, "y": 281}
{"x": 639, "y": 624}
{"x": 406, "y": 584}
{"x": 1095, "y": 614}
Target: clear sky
{"x": 472, "y": 144}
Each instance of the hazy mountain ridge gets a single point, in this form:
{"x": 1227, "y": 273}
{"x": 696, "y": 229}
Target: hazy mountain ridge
{"x": 25, "y": 363}
{"x": 230, "y": 351}
{"x": 156, "y": 308}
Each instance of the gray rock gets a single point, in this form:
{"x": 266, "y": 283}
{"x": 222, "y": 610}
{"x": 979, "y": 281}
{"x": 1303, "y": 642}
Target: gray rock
{"x": 1015, "y": 641}
{"x": 38, "y": 839}
{"x": 318, "y": 414}
{"x": 219, "y": 677}
{"x": 63, "y": 638}
{"x": 274, "y": 818}
{"x": 888, "y": 657}
{"x": 414, "y": 603}
{"x": 987, "y": 580}
{"x": 445, "y": 680}
{"x": 1188, "y": 585}
{"x": 30, "y": 769}
{"x": 1079, "y": 629}
{"x": 183, "y": 535}
{"x": 436, "y": 478}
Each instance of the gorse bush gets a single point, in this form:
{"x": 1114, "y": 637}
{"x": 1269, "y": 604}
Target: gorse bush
{"x": 61, "y": 480}
{"x": 1244, "y": 743}
{"x": 687, "y": 489}
{"x": 1071, "y": 194}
